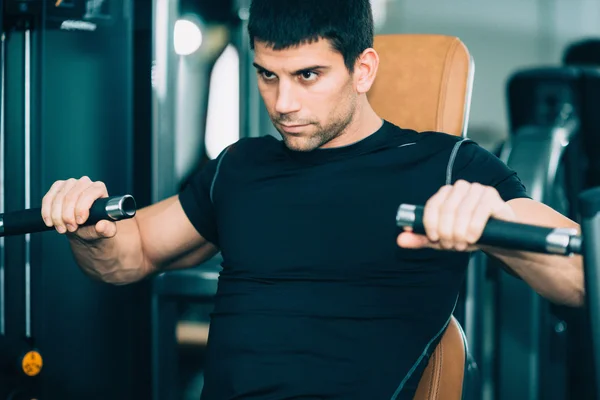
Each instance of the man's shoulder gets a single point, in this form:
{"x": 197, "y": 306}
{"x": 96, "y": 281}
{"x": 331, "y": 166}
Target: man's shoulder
{"x": 426, "y": 141}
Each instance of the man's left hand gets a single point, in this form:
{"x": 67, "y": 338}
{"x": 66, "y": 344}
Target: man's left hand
{"x": 454, "y": 218}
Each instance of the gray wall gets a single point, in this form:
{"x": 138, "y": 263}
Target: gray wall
{"x": 503, "y": 36}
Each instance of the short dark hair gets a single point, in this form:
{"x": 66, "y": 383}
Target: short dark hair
{"x": 281, "y": 24}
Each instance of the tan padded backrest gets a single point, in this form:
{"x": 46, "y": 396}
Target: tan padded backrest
{"x": 443, "y": 377}
{"x": 424, "y": 82}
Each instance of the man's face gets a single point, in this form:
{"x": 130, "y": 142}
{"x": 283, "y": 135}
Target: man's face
{"x": 308, "y": 91}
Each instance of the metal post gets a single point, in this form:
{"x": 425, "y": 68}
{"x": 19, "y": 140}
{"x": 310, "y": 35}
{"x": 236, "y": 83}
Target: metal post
{"x": 2, "y": 139}
{"x": 164, "y": 182}
{"x": 27, "y": 132}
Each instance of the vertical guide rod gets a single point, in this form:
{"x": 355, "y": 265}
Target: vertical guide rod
{"x": 27, "y": 125}
{"x": 2, "y": 161}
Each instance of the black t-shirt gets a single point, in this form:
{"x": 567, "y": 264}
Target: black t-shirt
{"x": 315, "y": 299}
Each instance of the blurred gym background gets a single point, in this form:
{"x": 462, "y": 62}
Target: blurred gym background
{"x": 140, "y": 93}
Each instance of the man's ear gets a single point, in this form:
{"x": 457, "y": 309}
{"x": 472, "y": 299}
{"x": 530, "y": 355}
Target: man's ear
{"x": 365, "y": 70}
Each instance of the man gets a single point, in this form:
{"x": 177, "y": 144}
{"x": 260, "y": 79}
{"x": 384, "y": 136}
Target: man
{"x": 320, "y": 296}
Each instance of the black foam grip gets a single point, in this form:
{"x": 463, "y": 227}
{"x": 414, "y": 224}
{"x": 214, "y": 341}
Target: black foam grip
{"x": 509, "y": 235}
{"x": 30, "y": 220}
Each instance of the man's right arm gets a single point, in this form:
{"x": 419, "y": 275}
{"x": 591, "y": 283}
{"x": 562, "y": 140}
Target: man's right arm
{"x": 168, "y": 238}
{"x": 160, "y": 237}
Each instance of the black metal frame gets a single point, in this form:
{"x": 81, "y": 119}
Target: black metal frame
{"x": 590, "y": 227}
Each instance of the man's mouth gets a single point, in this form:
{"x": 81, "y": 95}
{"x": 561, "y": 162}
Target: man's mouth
{"x": 292, "y": 128}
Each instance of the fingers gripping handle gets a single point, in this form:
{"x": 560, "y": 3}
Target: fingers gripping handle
{"x": 113, "y": 208}
{"x": 505, "y": 234}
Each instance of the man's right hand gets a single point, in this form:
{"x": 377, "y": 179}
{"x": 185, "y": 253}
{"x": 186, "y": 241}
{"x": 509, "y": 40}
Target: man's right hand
{"x": 159, "y": 237}
{"x": 66, "y": 206}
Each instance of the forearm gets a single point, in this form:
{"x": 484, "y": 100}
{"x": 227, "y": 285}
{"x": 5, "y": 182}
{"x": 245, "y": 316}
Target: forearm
{"x": 557, "y": 278}
{"x": 118, "y": 260}
{"x": 456, "y": 216}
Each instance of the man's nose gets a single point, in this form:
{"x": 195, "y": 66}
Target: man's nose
{"x": 287, "y": 99}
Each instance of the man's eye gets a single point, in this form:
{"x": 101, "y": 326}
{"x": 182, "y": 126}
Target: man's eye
{"x": 309, "y": 75}
{"x": 267, "y": 75}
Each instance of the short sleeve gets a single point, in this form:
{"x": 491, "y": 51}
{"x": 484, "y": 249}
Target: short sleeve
{"x": 473, "y": 163}
{"x": 197, "y": 200}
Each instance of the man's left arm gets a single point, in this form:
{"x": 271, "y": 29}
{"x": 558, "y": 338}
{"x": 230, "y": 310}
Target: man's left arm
{"x": 454, "y": 219}
{"x": 558, "y": 278}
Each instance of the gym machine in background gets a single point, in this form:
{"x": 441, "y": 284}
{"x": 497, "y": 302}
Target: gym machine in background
{"x": 66, "y": 112}
{"x": 586, "y": 54}
{"x": 545, "y": 120}
{"x": 538, "y": 346}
